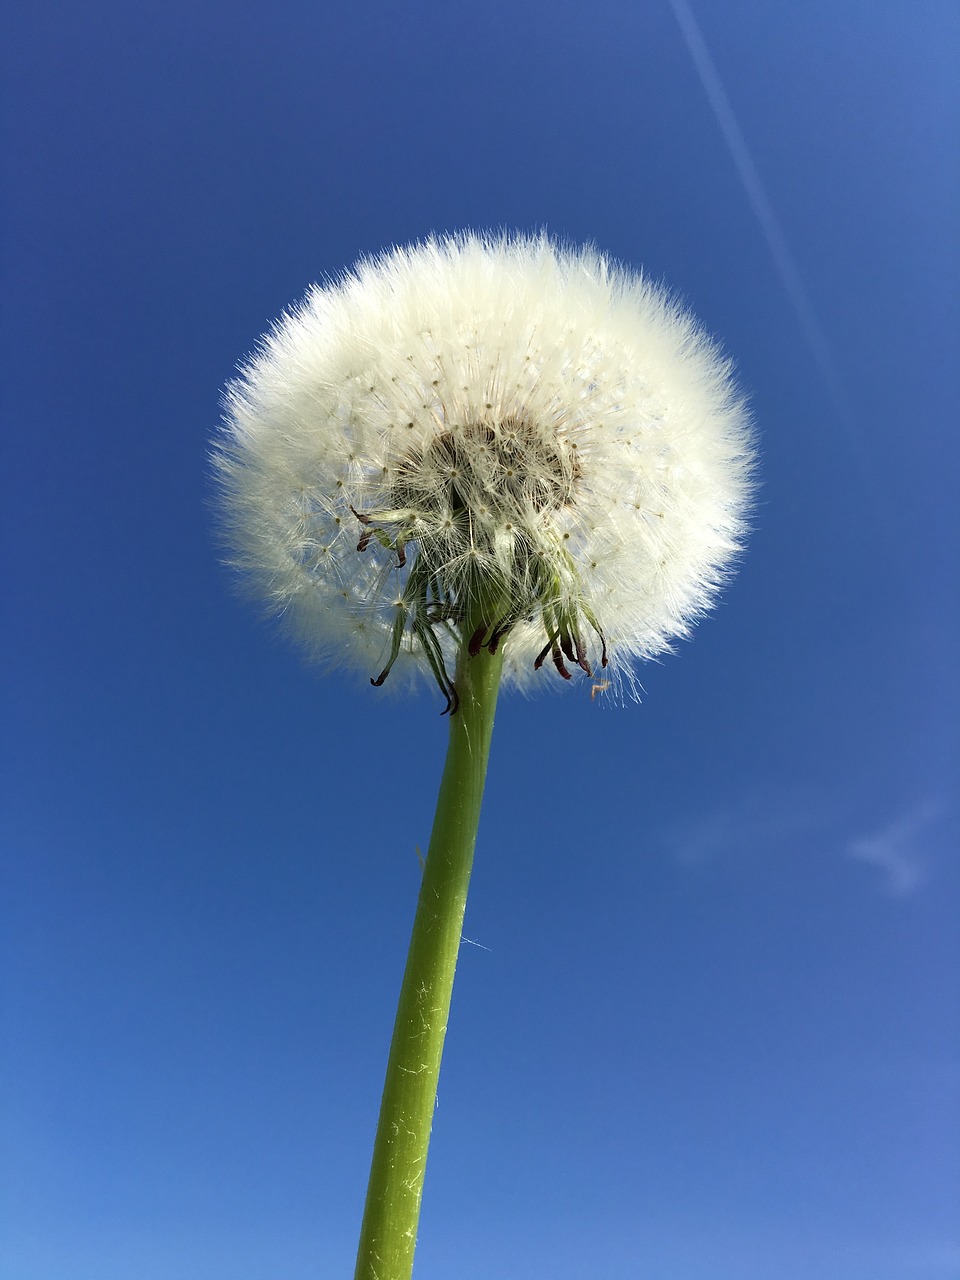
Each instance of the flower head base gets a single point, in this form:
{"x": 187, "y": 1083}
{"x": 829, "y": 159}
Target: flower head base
{"x": 481, "y": 442}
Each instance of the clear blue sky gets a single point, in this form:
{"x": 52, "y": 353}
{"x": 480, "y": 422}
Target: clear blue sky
{"x": 710, "y": 1028}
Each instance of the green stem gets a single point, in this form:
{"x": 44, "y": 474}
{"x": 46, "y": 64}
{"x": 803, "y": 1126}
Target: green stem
{"x": 388, "y": 1236}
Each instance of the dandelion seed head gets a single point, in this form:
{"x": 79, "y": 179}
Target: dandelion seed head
{"x": 492, "y": 423}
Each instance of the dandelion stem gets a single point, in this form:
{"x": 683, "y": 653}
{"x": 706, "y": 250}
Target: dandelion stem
{"x": 389, "y": 1233}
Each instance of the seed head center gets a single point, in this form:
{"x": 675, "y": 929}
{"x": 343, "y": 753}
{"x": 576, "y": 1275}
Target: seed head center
{"x": 495, "y": 473}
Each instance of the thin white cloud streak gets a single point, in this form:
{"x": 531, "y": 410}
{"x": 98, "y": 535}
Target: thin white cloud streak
{"x": 759, "y": 200}
{"x": 785, "y": 264}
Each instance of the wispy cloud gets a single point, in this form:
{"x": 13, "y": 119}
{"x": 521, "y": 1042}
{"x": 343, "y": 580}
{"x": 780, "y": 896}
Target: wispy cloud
{"x": 897, "y": 849}
{"x": 754, "y": 824}
{"x": 901, "y": 850}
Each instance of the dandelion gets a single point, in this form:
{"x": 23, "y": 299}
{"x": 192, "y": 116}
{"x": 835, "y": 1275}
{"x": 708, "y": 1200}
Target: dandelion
{"x": 479, "y": 460}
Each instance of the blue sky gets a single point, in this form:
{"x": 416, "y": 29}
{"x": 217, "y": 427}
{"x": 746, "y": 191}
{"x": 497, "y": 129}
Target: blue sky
{"x": 709, "y": 1028}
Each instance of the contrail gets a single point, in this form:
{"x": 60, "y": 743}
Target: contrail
{"x": 783, "y": 259}
{"x": 759, "y": 200}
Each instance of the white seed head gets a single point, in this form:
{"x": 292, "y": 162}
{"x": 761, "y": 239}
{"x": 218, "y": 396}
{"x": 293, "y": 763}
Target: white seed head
{"x": 493, "y": 429}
